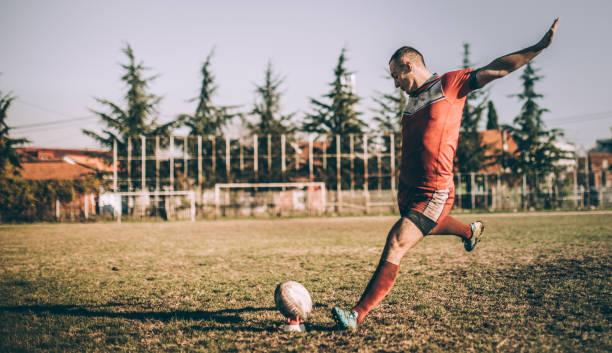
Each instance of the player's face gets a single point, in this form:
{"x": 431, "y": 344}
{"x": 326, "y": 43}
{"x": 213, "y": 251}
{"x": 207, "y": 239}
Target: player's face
{"x": 402, "y": 77}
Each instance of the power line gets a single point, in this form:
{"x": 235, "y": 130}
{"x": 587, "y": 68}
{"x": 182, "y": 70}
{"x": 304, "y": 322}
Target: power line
{"x": 54, "y": 122}
{"x": 50, "y": 123}
{"x": 583, "y": 117}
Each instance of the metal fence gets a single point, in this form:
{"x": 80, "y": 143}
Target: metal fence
{"x": 359, "y": 172}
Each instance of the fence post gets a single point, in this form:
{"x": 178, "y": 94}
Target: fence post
{"x": 472, "y": 190}
{"x": 217, "y": 201}
{"x": 524, "y": 191}
{"x": 185, "y": 161}
{"x": 500, "y": 194}
{"x": 255, "y": 155}
{"x": 129, "y": 163}
{"x": 86, "y": 206}
{"x": 115, "y": 166}
{"x": 227, "y": 159}
{"x": 283, "y": 161}
{"x": 310, "y": 158}
{"x": 575, "y": 183}
{"x": 352, "y": 160}
{"x": 199, "y": 165}
{"x": 269, "y": 155}
{"x": 57, "y": 209}
{"x": 338, "y": 175}
{"x": 213, "y": 155}
{"x": 379, "y": 164}
{"x": 458, "y": 193}
{"x": 171, "y": 163}
{"x": 143, "y": 157}
{"x": 156, "y": 199}
{"x": 366, "y": 192}
{"x": 325, "y": 156}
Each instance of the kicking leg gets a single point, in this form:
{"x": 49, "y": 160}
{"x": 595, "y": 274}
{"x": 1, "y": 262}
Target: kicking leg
{"x": 402, "y": 237}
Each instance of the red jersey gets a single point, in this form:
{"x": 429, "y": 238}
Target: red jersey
{"x": 430, "y": 130}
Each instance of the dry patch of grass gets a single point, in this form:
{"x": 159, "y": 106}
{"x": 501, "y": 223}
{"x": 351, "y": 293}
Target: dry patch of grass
{"x": 536, "y": 284}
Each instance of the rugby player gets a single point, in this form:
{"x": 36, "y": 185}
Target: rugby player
{"x": 430, "y": 130}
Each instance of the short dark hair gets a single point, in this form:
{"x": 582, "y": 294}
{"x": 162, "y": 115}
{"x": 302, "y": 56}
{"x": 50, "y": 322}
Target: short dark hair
{"x": 412, "y": 54}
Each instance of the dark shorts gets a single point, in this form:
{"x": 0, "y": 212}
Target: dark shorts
{"x": 426, "y": 206}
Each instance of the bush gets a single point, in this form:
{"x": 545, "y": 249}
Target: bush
{"x": 24, "y": 200}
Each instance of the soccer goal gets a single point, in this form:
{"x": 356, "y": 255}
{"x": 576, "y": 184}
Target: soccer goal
{"x": 147, "y": 204}
{"x": 273, "y": 199}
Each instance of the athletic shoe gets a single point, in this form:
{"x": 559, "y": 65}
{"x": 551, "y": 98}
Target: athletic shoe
{"x": 477, "y": 232}
{"x": 345, "y": 319}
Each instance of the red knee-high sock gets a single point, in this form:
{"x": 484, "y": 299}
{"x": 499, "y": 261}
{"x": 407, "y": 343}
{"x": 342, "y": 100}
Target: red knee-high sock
{"x": 381, "y": 283}
{"x": 451, "y": 226}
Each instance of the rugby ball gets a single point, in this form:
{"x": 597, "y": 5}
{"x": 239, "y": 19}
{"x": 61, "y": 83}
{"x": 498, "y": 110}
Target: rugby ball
{"x": 293, "y": 300}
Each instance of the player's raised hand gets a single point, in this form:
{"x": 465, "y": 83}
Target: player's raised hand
{"x": 548, "y": 37}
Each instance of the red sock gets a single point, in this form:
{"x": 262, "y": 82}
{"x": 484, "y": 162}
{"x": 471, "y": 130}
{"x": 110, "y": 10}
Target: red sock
{"x": 381, "y": 283}
{"x": 451, "y": 226}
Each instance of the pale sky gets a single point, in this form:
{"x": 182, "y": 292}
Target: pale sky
{"x": 56, "y": 56}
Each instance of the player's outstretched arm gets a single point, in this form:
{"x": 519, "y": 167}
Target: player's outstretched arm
{"x": 504, "y": 65}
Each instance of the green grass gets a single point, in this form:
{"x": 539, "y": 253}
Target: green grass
{"x": 536, "y": 283}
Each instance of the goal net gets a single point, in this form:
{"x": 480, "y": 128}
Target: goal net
{"x": 146, "y": 204}
{"x": 273, "y": 199}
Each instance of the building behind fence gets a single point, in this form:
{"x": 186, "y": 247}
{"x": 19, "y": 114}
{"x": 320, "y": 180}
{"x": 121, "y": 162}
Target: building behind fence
{"x": 359, "y": 174}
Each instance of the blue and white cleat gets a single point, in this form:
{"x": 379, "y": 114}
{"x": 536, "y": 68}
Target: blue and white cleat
{"x": 345, "y": 319}
{"x": 477, "y": 232}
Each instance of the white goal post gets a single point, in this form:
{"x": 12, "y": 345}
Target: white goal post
{"x": 114, "y": 200}
{"x": 310, "y": 198}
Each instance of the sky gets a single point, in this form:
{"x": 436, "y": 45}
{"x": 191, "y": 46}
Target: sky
{"x": 58, "y": 56}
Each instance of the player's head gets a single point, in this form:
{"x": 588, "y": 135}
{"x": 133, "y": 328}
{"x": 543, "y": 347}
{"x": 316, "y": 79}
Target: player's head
{"x": 404, "y": 65}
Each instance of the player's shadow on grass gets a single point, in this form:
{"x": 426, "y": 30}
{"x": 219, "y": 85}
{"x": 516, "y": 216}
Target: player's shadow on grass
{"x": 225, "y": 319}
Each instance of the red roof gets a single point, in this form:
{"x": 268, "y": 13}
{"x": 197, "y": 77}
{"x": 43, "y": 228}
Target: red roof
{"x": 54, "y": 170}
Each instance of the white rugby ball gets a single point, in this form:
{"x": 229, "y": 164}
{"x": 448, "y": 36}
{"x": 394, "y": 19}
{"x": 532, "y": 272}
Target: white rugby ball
{"x": 293, "y": 300}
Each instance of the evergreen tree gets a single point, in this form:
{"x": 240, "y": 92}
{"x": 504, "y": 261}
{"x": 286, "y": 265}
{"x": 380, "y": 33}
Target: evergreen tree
{"x": 536, "y": 152}
{"x": 492, "y": 121}
{"x": 9, "y": 160}
{"x": 267, "y": 108}
{"x": 470, "y": 156}
{"x": 338, "y": 115}
{"x": 207, "y": 119}
{"x": 388, "y": 114}
{"x": 139, "y": 115}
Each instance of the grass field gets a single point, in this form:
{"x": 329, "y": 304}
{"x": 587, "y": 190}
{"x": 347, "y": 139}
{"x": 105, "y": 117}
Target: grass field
{"x": 537, "y": 283}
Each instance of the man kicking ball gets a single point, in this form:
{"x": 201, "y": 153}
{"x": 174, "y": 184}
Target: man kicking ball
{"x": 430, "y": 130}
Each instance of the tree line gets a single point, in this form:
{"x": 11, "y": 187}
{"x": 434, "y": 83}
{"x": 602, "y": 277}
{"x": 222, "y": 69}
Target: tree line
{"x": 334, "y": 112}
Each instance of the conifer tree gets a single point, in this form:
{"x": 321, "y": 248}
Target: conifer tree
{"x": 9, "y": 159}
{"x": 139, "y": 115}
{"x": 337, "y": 115}
{"x": 470, "y": 156}
{"x": 267, "y": 108}
{"x": 536, "y": 152}
{"x": 208, "y": 119}
{"x": 492, "y": 121}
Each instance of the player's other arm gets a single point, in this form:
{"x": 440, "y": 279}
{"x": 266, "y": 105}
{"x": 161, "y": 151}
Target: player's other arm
{"x": 504, "y": 65}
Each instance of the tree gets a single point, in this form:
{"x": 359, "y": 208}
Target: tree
{"x": 388, "y": 114}
{"x": 492, "y": 121}
{"x": 9, "y": 159}
{"x": 267, "y": 109}
{"x": 536, "y": 151}
{"x": 207, "y": 119}
{"x": 470, "y": 156}
{"x": 338, "y": 115}
{"x": 139, "y": 115}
